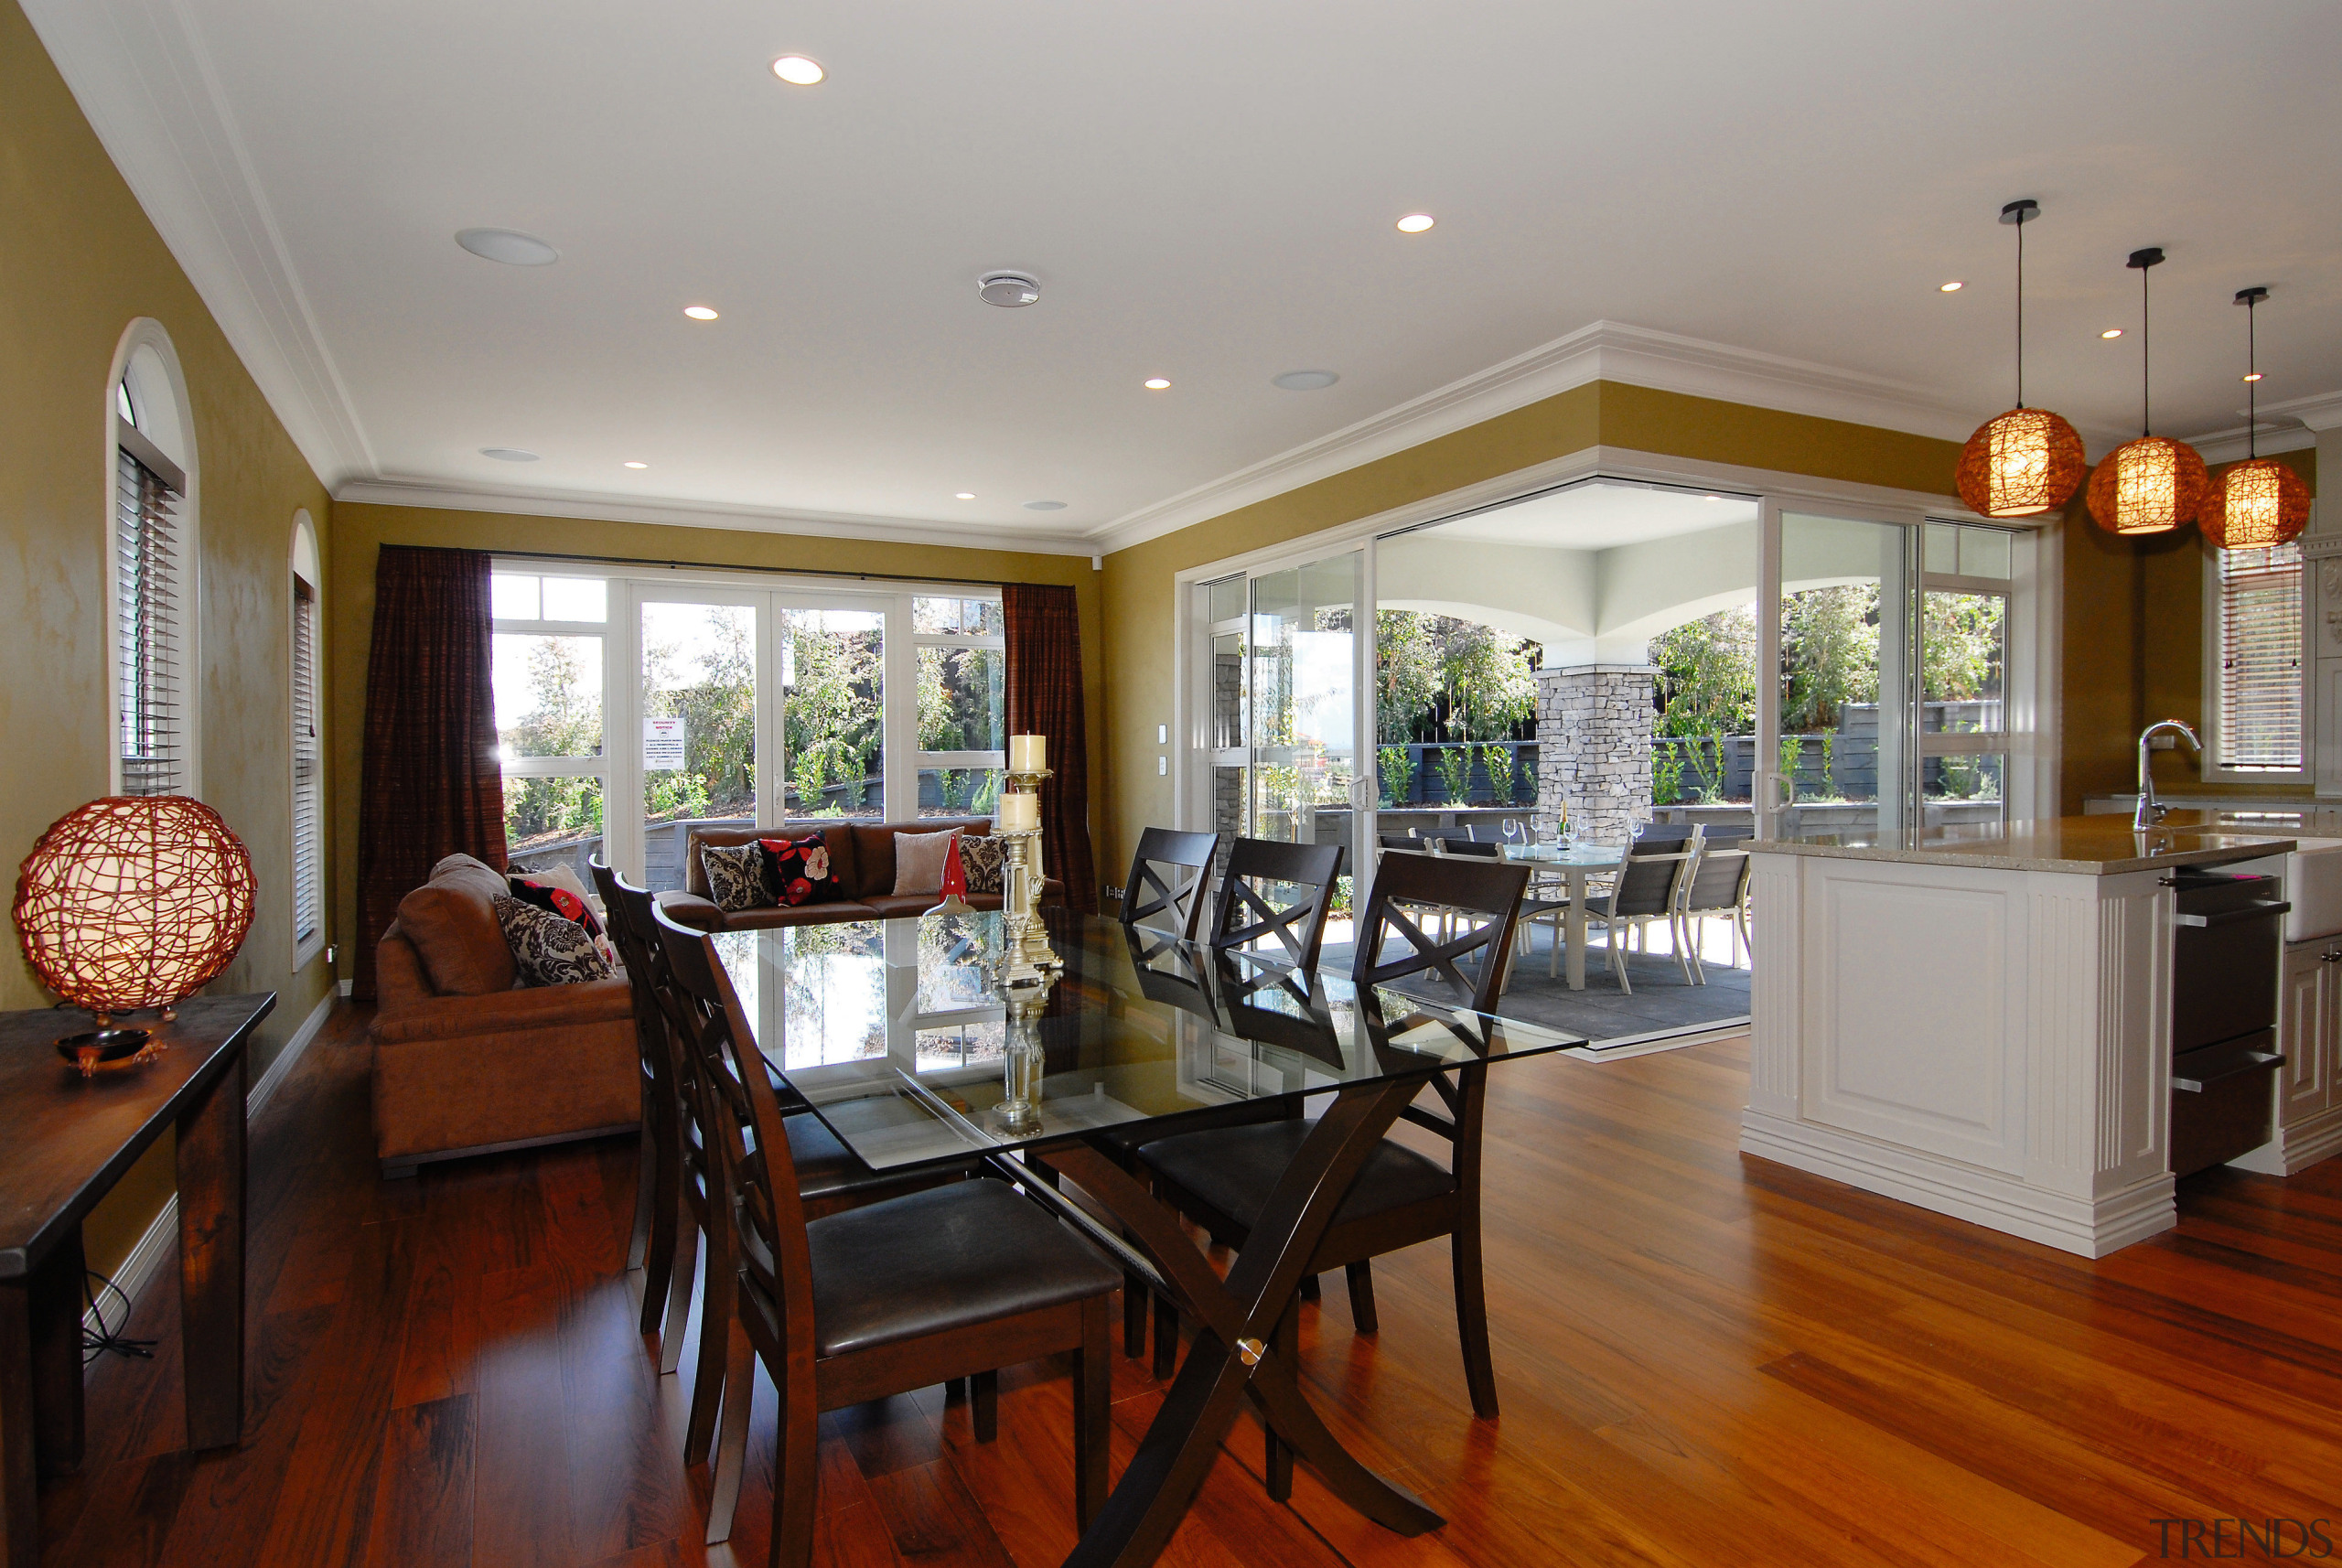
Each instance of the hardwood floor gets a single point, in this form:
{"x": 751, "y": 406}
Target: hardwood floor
{"x": 1703, "y": 1360}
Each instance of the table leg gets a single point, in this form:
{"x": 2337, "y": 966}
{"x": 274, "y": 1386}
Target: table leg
{"x": 1574, "y": 919}
{"x": 1236, "y": 1355}
{"x": 19, "y": 1494}
{"x": 211, "y": 1260}
{"x": 56, "y": 1305}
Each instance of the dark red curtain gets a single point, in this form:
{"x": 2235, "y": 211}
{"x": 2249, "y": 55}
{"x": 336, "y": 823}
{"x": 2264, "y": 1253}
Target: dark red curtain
{"x": 432, "y": 786}
{"x": 1045, "y": 698}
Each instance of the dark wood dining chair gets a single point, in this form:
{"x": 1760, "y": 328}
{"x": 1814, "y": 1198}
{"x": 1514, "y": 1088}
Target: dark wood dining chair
{"x": 947, "y": 1282}
{"x": 658, "y": 1200}
{"x": 1280, "y": 892}
{"x": 1170, "y": 882}
{"x": 1221, "y": 1178}
{"x": 831, "y": 1178}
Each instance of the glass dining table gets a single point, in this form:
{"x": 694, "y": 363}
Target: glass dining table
{"x": 905, "y": 1041}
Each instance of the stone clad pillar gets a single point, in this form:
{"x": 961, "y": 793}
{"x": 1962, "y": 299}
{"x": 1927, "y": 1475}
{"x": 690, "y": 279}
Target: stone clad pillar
{"x": 1594, "y": 723}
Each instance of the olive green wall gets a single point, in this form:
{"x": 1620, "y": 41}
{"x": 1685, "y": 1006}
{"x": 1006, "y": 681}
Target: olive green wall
{"x": 79, "y": 262}
{"x": 2134, "y": 651}
{"x": 1139, "y": 598}
{"x": 360, "y": 529}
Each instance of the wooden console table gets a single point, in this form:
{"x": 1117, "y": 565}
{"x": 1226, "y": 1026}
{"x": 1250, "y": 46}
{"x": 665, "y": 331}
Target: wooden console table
{"x": 69, "y": 1140}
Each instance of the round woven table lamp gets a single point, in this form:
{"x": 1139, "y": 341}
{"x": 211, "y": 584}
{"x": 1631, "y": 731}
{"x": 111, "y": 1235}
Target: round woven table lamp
{"x": 2254, "y": 505}
{"x": 2021, "y": 463}
{"x": 133, "y": 901}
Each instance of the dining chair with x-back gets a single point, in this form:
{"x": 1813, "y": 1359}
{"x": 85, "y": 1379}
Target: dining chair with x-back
{"x": 1170, "y": 882}
{"x": 1219, "y": 1178}
{"x": 927, "y": 1288}
{"x": 1278, "y": 893}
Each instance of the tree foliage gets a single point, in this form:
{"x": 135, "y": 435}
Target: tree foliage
{"x": 1439, "y": 678}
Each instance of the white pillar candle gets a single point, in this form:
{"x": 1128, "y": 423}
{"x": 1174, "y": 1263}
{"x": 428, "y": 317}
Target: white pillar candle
{"x": 1027, "y": 753}
{"x": 1019, "y": 812}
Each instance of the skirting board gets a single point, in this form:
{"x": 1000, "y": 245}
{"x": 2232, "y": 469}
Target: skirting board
{"x": 1981, "y": 1197}
{"x": 138, "y": 1270}
{"x": 2295, "y": 1149}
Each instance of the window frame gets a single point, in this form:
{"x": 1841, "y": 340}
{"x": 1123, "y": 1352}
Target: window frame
{"x": 144, "y": 377}
{"x": 307, "y": 572}
{"x": 629, "y": 586}
{"x": 2210, "y": 719}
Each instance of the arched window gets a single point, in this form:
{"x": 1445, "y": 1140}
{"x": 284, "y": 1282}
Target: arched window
{"x": 152, "y": 570}
{"x": 309, "y": 746}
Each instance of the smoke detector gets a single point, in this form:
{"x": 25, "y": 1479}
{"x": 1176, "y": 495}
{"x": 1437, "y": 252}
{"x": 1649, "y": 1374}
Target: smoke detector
{"x": 1007, "y": 290}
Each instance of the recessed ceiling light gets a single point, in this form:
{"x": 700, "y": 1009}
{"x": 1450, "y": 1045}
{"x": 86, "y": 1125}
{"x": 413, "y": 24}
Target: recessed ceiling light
{"x": 1156, "y": 383}
{"x": 508, "y": 454}
{"x": 1008, "y": 290}
{"x": 699, "y": 312}
{"x": 1304, "y": 380}
{"x": 510, "y": 246}
{"x": 965, "y": 496}
{"x": 2253, "y": 377}
{"x": 797, "y": 70}
{"x": 1712, "y": 497}
{"x": 1045, "y": 506}
{"x": 1414, "y": 222}
{"x": 634, "y": 464}
{"x": 2111, "y": 332}
{"x": 1954, "y": 286}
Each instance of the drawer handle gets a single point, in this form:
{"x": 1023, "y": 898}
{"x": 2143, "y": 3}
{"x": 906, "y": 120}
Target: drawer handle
{"x": 2331, "y": 955}
{"x": 2247, "y": 1061}
{"x": 2259, "y": 909}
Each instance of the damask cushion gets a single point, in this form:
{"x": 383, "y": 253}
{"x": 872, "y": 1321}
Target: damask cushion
{"x": 799, "y": 871}
{"x": 982, "y": 857}
{"x": 919, "y": 861}
{"x": 546, "y": 949}
{"x": 736, "y": 877}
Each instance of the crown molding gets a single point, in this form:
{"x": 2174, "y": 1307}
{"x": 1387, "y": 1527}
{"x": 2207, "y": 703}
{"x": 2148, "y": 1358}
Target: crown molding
{"x": 588, "y": 507}
{"x": 1604, "y": 350}
{"x": 2321, "y": 412}
{"x": 2228, "y": 445}
{"x": 143, "y": 80}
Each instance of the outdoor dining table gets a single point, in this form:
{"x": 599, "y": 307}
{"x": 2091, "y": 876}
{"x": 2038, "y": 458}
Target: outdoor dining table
{"x": 906, "y": 1041}
{"x": 1577, "y": 861}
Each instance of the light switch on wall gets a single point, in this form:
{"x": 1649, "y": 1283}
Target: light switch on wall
{"x": 1161, "y": 767}
{"x": 1162, "y": 735}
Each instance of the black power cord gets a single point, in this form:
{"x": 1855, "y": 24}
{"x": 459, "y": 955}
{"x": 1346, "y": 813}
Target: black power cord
{"x": 95, "y": 1342}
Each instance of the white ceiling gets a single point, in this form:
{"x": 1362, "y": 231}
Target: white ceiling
{"x": 1207, "y": 192}
{"x": 1599, "y": 517}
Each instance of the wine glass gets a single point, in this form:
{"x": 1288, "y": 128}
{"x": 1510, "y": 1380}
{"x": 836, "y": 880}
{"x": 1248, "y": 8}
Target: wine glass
{"x": 1514, "y": 833}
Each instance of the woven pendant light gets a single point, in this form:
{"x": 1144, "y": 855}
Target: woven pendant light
{"x": 2259, "y": 501}
{"x": 2028, "y": 460}
{"x": 2153, "y": 484}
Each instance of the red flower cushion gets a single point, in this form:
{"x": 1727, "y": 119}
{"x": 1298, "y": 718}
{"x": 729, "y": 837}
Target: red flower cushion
{"x": 799, "y": 871}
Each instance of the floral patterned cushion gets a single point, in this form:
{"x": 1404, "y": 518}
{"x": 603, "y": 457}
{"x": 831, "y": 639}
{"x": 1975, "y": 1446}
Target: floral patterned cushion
{"x": 546, "y": 949}
{"x": 736, "y": 877}
{"x": 981, "y": 858}
{"x": 799, "y": 871}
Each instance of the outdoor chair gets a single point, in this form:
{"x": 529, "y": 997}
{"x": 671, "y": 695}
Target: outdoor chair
{"x": 1718, "y": 886}
{"x": 1648, "y": 887}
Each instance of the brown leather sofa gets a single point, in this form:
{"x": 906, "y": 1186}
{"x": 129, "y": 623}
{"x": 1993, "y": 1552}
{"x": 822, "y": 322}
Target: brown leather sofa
{"x": 864, "y": 856}
{"x": 465, "y": 1063}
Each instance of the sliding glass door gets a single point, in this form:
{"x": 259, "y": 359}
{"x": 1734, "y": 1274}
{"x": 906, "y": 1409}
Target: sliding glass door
{"x": 1842, "y": 754}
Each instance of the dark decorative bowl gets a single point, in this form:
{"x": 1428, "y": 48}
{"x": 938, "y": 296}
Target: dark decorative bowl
{"x": 87, "y": 1051}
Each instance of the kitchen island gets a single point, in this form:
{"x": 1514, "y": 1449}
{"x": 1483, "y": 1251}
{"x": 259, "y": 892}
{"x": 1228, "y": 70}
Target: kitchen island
{"x": 1980, "y": 1023}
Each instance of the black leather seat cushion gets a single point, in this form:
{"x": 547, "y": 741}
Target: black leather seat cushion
{"x": 1132, "y": 1136}
{"x": 945, "y": 1257}
{"x": 1234, "y": 1169}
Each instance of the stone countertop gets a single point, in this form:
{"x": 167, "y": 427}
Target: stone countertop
{"x": 2088, "y": 847}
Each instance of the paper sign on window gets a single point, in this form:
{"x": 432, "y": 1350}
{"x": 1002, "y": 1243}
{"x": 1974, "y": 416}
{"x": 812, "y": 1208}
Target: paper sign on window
{"x": 662, "y": 745}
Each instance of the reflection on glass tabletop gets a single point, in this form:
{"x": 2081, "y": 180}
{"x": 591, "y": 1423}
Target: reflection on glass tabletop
{"x": 1601, "y": 855}
{"x": 903, "y": 1037}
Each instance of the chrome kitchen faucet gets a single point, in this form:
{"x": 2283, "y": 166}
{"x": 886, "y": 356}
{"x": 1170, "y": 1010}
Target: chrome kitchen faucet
{"x": 2149, "y": 813}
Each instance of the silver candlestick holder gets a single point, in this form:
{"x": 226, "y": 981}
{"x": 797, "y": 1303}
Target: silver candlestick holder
{"x": 1026, "y": 954}
{"x": 1024, "y": 1062}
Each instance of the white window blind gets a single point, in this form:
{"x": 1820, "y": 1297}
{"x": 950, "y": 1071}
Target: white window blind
{"x": 150, "y": 622}
{"x": 308, "y": 772}
{"x": 2260, "y": 658}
